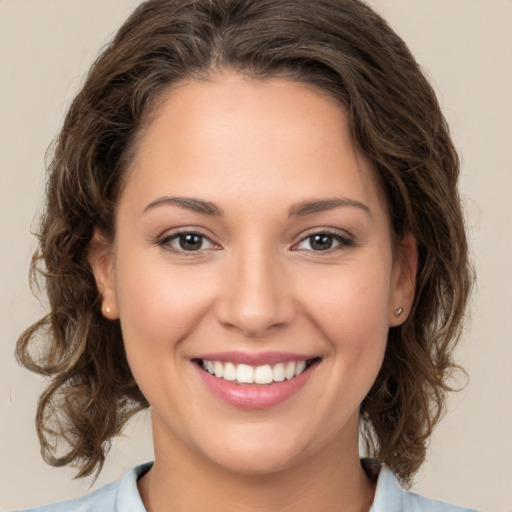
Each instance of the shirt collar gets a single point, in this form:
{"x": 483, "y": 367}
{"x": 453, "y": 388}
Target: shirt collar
{"x": 128, "y": 497}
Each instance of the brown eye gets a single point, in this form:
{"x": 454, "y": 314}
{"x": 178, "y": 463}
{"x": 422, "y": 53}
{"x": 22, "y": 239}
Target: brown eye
{"x": 187, "y": 241}
{"x": 324, "y": 241}
{"x": 321, "y": 242}
{"x": 190, "y": 242}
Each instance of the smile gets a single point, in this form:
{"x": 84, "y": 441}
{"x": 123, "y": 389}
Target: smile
{"x": 262, "y": 374}
{"x": 255, "y": 381}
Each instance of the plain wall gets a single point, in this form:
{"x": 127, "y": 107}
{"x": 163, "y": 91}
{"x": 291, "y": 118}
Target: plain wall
{"x": 45, "y": 48}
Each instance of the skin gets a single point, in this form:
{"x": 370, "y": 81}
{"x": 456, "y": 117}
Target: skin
{"x": 255, "y": 149}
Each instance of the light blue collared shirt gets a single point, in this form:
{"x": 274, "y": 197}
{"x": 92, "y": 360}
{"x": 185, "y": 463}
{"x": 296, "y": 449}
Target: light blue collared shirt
{"x": 123, "y": 496}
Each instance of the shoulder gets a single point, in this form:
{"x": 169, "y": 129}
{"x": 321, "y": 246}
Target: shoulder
{"x": 391, "y": 497}
{"x": 122, "y": 496}
{"x": 102, "y": 499}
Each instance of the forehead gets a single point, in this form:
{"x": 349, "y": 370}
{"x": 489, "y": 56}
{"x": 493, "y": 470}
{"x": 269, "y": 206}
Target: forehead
{"x": 247, "y": 134}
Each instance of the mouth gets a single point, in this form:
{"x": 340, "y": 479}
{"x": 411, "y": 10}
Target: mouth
{"x": 261, "y": 375}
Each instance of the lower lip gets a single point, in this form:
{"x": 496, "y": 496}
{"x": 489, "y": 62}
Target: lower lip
{"x": 247, "y": 396}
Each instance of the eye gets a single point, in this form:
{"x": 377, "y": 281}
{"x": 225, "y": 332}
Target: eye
{"x": 324, "y": 241}
{"x": 187, "y": 242}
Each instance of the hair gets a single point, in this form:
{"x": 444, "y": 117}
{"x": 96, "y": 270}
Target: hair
{"x": 341, "y": 47}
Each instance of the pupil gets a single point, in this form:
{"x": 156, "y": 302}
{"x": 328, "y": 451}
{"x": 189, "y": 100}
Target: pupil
{"x": 321, "y": 242}
{"x": 191, "y": 242}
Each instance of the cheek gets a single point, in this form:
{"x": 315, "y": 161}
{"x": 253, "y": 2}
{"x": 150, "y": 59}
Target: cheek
{"x": 158, "y": 304}
{"x": 351, "y": 309}
{"x": 349, "y": 301}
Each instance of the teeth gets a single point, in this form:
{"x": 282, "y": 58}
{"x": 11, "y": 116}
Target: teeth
{"x": 229, "y": 371}
{"x": 301, "y": 366}
{"x": 289, "y": 371}
{"x": 246, "y": 374}
{"x": 278, "y": 374}
{"x": 219, "y": 369}
{"x": 263, "y": 374}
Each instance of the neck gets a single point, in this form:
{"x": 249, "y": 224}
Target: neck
{"x": 182, "y": 480}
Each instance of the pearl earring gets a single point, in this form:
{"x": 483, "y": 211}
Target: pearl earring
{"x": 398, "y": 312}
{"x": 107, "y": 311}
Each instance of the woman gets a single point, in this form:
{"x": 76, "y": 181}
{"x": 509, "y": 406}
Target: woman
{"x": 252, "y": 225}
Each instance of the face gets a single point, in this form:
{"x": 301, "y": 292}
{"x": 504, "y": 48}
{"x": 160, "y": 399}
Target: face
{"x": 253, "y": 274}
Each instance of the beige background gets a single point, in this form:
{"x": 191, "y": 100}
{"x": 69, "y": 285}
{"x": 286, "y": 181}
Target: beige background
{"x": 466, "y": 45}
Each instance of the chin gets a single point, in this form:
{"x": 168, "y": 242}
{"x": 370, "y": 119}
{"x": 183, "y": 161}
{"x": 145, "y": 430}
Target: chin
{"x": 255, "y": 462}
{"x": 257, "y": 450}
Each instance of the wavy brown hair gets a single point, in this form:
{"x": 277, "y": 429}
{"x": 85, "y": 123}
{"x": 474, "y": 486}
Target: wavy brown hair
{"x": 342, "y": 48}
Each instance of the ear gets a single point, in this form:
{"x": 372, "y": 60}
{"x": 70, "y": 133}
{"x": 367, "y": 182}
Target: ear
{"x": 403, "y": 281}
{"x": 101, "y": 259}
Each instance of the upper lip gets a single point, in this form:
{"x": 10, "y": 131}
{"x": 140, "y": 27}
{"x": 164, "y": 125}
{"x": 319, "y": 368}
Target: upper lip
{"x": 254, "y": 359}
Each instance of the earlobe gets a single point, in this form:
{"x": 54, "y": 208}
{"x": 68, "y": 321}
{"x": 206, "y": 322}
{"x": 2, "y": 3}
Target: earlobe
{"x": 403, "y": 281}
{"x": 101, "y": 259}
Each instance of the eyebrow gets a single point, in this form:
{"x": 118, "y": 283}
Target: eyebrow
{"x": 187, "y": 203}
{"x": 310, "y": 207}
{"x": 298, "y": 210}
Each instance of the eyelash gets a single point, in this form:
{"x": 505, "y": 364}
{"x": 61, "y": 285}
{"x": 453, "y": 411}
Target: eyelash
{"x": 165, "y": 242}
{"x": 343, "y": 241}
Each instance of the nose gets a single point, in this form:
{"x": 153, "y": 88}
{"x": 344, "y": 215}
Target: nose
{"x": 255, "y": 297}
